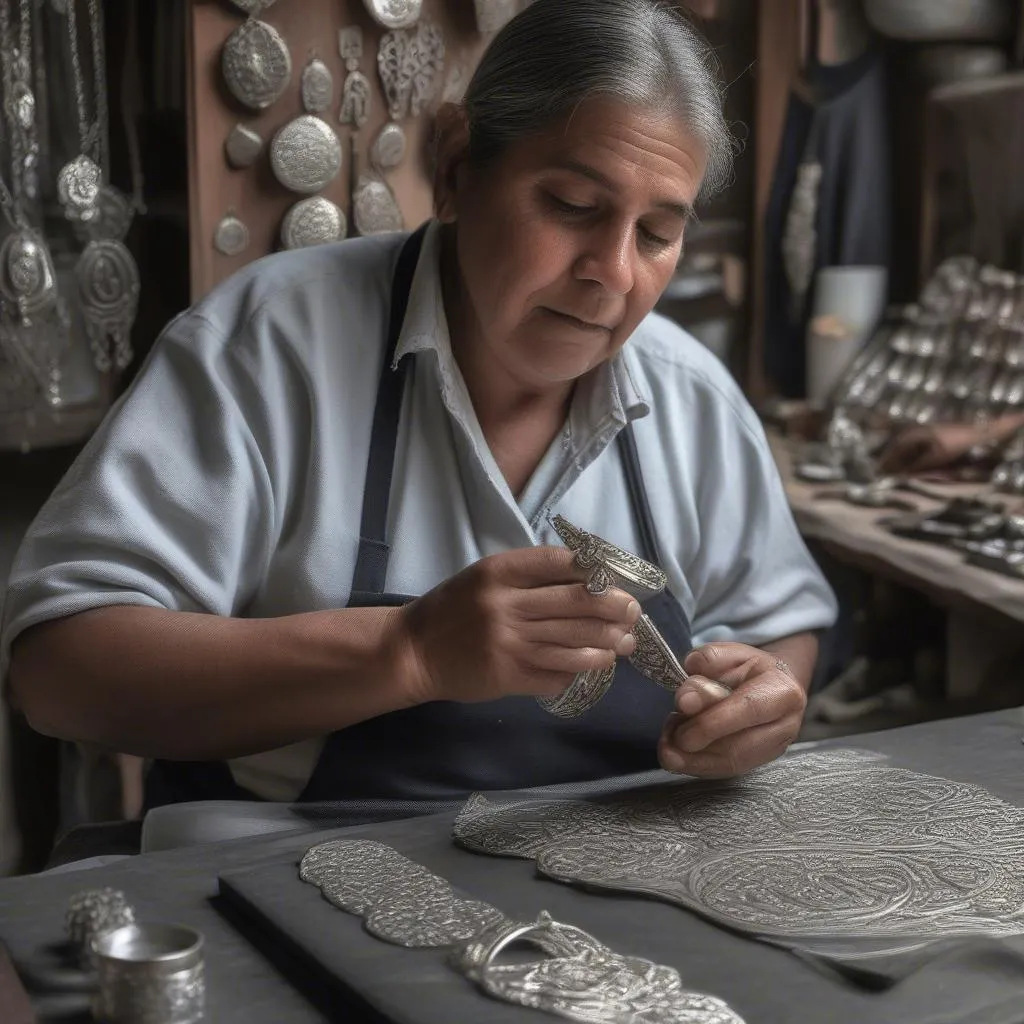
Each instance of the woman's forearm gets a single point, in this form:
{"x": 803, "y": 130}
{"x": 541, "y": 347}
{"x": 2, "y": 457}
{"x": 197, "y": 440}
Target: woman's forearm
{"x": 194, "y": 687}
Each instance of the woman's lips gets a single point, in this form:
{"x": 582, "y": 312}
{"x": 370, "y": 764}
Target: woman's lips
{"x": 575, "y": 321}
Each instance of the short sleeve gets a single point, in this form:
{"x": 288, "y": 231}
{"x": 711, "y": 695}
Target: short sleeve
{"x": 753, "y": 579}
{"x": 169, "y": 505}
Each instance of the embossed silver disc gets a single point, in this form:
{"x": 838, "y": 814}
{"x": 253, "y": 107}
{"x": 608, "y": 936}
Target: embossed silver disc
{"x": 374, "y": 208}
{"x": 317, "y": 87}
{"x": 394, "y": 13}
{"x": 78, "y": 187}
{"x": 26, "y": 272}
{"x": 388, "y": 149}
{"x": 231, "y": 236}
{"x": 108, "y": 281}
{"x": 313, "y": 221}
{"x": 306, "y": 155}
{"x": 242, "y": 147}
{"x": 256, "y": 64}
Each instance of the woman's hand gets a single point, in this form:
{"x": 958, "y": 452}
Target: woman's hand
{"x": 516, "y": 623}
{"x": 918, "y": 449}
{"x": 719, "y": 731}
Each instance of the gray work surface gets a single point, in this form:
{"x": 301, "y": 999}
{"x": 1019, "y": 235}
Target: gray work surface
{"x": 764, "y": 984}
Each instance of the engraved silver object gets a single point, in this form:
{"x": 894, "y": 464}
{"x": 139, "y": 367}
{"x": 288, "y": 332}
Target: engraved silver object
{"x": 653, "y": 657}
{"x": 27, "y": 276}
{"x": 577, "y": 977}
{"x": 835, "y": 843}
{"x": 313, "y": 221}
{"x": 317, "y": 87}
{"x": 586, "y": 689}
{"x": 388, "y": 149}
{"x": 394, "y": 13}
{"x": 108, "y": 287}
{"x": 231, "y": 237}
{"x": 374, "y": 207}
{"x": 78, "y": 187}
{"x": 256, "y": 64}
{"x": 305, "y": 155}
{"x": 149, "y": 974}
{"x": 396, "y": 65}
{"x": 357, "y": 91}
{"x": 95, "y": 911}
{"x": 242, "y": 147}
{"x": 426, "y": 55}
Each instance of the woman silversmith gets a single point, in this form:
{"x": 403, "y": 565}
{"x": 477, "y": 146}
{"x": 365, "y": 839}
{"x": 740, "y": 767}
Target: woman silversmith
{"x": 308, "y": 556}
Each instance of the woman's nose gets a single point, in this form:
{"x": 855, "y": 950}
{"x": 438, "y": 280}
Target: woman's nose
{"x": 608, "y": 259}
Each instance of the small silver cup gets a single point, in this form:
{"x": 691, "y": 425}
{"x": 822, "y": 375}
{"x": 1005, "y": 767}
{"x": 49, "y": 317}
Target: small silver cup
{"x": 149, "y": 974}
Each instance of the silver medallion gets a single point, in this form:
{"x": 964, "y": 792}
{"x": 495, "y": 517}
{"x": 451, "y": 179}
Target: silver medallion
{"x": 108, "y": 287}
{"x": 231, "y": 237}
{"x": 111, "y": 218}
{"x": 313, "y": 221}
{"x": 317, "y": 87}
{"x": 394, "y": 13}
{"x": 356, "y": 91}
{"x": 78, "y": 187}
{"x": 306, "y": 155}
{"x": 253, "y": 8}
{"x": 256, "y": 64}
{"x": 374, "y": 207}
{"x": 27, "y": 277}
{"x": 427, "y": 58}
{"x": 388, "y": 149}
{"x": 242, "y": 147}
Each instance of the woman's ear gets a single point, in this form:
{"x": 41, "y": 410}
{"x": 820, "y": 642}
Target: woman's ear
{"x": 452, "y": 154}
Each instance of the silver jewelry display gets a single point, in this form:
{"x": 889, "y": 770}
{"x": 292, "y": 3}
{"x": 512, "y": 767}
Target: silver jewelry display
{"x": 242, "y": 147}
{"x": 836, "y": 843}
{"x": 394, "y": 13}
{"x": 313, "y": 221}
{"x": 576, "y": 977}
{"x": 256, "y": 64}
{"x": 356, "y": 91}
{"x": 317, "y": 86}
{"x": 231, "y": 236}
{"x": 305, "y": 155}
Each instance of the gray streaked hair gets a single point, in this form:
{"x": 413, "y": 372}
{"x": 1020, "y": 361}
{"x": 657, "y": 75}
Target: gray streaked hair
{"x": 558, "y": 53}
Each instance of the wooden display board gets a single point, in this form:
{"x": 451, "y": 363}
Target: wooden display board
{"x": 310, "y": 28}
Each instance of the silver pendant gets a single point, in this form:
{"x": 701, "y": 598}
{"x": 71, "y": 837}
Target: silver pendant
{"x": 317, "y": 87}
{"x": 356, "y": 92}
{"x": 305, "y": 155}
{"x": 313, "y": 221}
{"x": 27, "y": 277}
{"x": 242, "y": 147}
{"x": 231, "y": 237}
{"x": 78, "y": 187}
{"x": 111, "y": 218}
{"x": 427, "y": 58}
{"x": 256, "y": 64}
{"x": 374, "y": 208}
{"x": 395, "y": 65}
{"x": 388, "y": 149}
{"x": 108, "y": 286}
{"x": 494, "y": 15}
{"x": 253, "y": 8}
{"x": 394, "y": 13}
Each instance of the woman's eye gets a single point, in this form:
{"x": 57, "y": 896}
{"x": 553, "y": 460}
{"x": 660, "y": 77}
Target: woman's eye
{"x": 566, "y": 207}
{"x": 654, "y": 240}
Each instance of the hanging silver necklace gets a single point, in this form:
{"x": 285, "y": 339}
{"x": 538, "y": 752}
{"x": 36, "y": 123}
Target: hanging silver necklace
{"x": 108, "y": 277}
{"x": 33, "y": 325}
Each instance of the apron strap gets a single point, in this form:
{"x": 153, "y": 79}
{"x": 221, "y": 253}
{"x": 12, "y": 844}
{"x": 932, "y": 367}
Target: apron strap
{"x": 638, "y": 495}
{"x": 372, "y": 558}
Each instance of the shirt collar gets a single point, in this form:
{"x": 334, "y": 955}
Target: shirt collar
{"x": 609, "y": 390}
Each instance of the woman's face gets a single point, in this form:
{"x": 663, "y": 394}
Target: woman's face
{"x": 566, "y": 242}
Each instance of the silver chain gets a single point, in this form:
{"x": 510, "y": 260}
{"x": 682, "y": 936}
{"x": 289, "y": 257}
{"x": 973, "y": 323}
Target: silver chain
{"x": 99, "y": 71}
{"x": 86, "y": 129}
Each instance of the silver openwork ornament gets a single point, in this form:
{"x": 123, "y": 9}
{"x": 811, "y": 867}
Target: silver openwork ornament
{"x": 317, "y": 87}
{"x": 388, "y": 149}
{"x": 231, "y": 236}
{"x": 253, "y": 8}
{"x": 356, "y": 92}
{"x": 78, "y": 187}
{"x": 108, "y": 286}
{"x": 394, "y": 13}
{"x": 306, "y": 155}
{"x": 428, "y": 49}
{"x": 313, "y": 221}
{"x": 242, "y": 147}
{"x": 396, "y": 63}
{"x": 256, "y": 64}
{"x": 374, "y": 207}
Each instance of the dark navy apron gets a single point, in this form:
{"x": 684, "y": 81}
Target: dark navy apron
{"x": 442, "y": 751}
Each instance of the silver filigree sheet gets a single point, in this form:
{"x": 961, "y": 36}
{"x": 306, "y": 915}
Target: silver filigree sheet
{"x": 576, "y": 976}
{"x": 835, "y": 845}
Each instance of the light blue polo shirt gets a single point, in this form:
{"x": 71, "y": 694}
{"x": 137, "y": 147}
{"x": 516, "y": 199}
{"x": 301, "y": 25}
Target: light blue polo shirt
{"x": 229, "y": 478}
